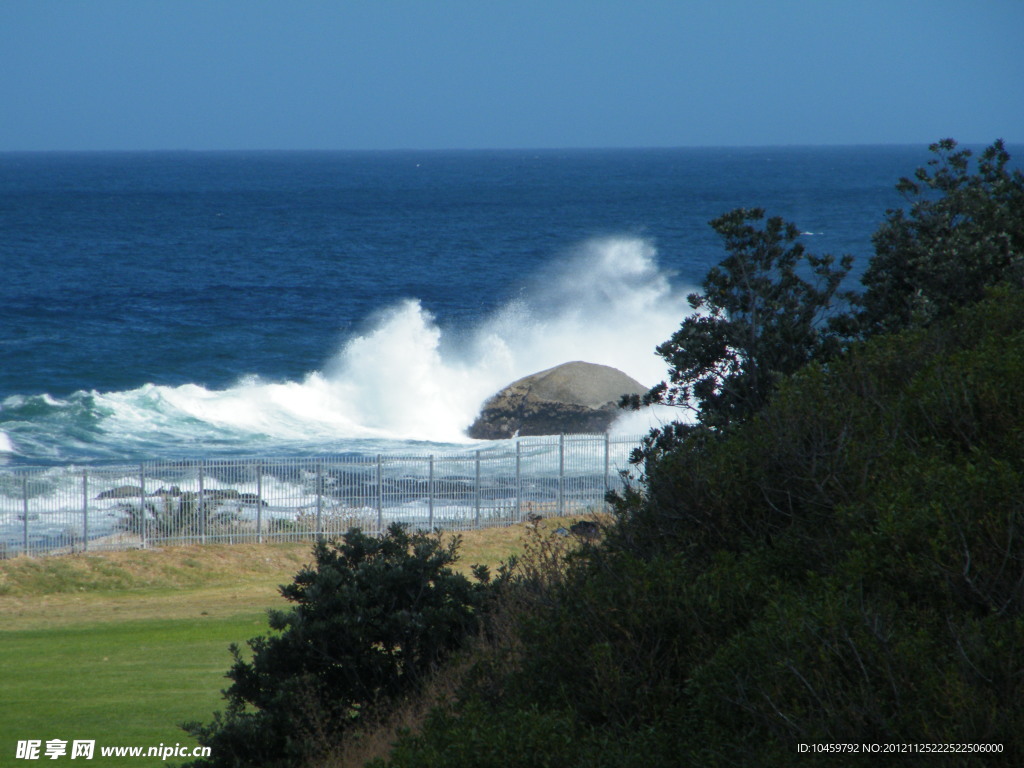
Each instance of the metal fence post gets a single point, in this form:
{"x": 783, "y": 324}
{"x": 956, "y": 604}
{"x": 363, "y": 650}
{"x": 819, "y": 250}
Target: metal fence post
{"x": 607, "y": 469}
{"x": 476, "y": 499}
{"x": 142, "y": 503}
{"x": 201, "y": 510}
{"x": 319, "y": 499}
{"x": 519, "y": 480}
{"x": 561, "y": 475}
{"x": 85, "y": 510}
{"x": 430, "y": 494}
{"x": 24, "y": 512}
{"x": 380, "y": 495}
{"x": 259, "y": 503}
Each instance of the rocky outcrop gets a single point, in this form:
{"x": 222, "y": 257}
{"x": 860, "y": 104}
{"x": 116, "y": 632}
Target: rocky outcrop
{"x": 121, "y": 492}
{"x": 569, "y": 398}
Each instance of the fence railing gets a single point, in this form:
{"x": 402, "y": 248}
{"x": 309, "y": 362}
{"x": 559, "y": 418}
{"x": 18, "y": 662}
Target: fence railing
{"x": 153, "y": 503}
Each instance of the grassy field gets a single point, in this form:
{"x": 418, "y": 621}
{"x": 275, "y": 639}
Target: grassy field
{"x": 121, "y": 647}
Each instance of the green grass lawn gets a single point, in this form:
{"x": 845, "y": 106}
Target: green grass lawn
{"x": 126, "y": 683}
{"x": 122, "y": 647}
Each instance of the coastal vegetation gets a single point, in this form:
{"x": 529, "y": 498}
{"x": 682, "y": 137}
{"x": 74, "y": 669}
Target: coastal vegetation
{"x": 371, "y": 617}
{"x": 123, "y": 646}
{"x": 830, "y": 552}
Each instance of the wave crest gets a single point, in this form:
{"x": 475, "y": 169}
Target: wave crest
{"x": 409, "y": 378}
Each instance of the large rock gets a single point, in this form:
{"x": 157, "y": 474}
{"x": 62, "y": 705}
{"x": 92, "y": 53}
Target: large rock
{"x": 572, "y": 397}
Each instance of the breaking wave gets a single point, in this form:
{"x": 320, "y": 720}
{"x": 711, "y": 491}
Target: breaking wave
{"x": 404, "y": 378}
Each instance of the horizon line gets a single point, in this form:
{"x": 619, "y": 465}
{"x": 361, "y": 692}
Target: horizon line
{"x": 408, "y": 150}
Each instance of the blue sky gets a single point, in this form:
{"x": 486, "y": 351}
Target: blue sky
{"x": 444, "y": 74}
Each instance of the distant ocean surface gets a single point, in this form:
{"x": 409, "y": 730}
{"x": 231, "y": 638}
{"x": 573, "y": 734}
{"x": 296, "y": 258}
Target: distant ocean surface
{"x": 189, "y": 305}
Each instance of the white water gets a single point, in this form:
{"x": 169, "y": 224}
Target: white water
{"x": 408, "y": 379}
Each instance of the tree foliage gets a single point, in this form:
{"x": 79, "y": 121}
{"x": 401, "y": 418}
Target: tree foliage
{"x": 963, "y": 232}
{"x": 370, "y": 619}
{"x": 846, "y": 566}
{"x": 834, "y": 551}
{"x": 764, "y": 313}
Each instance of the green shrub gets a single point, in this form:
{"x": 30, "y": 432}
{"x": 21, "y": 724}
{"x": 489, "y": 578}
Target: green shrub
{"x": 371, "y": 618}
{"x": 478, "y": 735}
{"x": 885, "y": 494}
{"x": 846, "y": 566}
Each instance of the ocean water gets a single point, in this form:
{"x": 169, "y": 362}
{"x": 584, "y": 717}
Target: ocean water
{"x": 193, "y": 305}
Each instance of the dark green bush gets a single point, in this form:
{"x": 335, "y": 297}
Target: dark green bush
{"x": 837, "y": 557}
{"x": 886, "y": 495}
{"x": 478, "y": 736}
{"x": 846, "y": 566}
{"x": 370, "y": 620}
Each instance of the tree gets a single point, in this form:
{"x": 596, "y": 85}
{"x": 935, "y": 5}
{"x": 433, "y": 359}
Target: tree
{"x": 962, "y": 233}
{"x": 846, "y": 567}
{"x": 764, "y": 313}
{"x": 371, "y": 619}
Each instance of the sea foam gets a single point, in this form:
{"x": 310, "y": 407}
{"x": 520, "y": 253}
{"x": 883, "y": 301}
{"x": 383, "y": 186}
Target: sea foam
{"x": 408, "y": 378}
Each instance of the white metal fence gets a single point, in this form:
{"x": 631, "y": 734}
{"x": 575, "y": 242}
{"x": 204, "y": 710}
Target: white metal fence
{"x": 152, "y": 503}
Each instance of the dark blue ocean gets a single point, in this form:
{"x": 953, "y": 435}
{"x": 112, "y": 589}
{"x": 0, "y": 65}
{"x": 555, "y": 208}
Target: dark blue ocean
{"x": 196, "y": 304}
